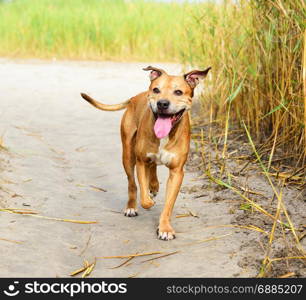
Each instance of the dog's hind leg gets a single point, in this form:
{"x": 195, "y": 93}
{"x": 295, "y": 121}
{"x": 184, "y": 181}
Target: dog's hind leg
{"x": 129, "y": 167}
{"x": 128, "y": 137}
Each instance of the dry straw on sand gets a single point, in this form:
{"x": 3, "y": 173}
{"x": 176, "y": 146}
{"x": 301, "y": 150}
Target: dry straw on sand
{"x": 28, "y": 212}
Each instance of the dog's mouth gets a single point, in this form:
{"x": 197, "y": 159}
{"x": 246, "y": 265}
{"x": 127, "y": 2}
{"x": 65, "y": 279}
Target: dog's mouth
{"x": 165, "y": 122}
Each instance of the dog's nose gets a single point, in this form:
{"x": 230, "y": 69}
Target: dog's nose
{"x": 163, "y": 104}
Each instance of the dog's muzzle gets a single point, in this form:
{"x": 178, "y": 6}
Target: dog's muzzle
{"x": 165, "y": 120}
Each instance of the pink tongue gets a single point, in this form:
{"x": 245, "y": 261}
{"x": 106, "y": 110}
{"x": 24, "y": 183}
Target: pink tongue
{"x": 162, "y": 127}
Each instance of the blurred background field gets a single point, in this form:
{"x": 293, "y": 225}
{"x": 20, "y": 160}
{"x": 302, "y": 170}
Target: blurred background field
{"x": 94, "y": 29}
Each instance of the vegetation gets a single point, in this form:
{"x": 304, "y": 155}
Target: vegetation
{"x": 93, "y": 29}
{"x": 255, "y": 49}
{"x": 256, "y": 89}
{"x": 256, "y": 52}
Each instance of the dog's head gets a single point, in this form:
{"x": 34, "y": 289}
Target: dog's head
{"x": 171, "y": 96}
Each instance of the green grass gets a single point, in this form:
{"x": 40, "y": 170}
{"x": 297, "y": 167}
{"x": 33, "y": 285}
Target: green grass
{"x": 94, "y": 29}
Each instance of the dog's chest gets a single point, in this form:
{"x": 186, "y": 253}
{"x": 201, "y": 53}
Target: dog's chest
{"x": 163, "y": 156}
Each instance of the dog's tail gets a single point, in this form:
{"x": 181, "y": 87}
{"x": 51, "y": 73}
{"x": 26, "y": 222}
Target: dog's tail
{"x": 108, "y": 107}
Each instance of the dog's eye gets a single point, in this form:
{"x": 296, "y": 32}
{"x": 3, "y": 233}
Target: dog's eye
{"x": 178, "y": 92}
{"x": 156, "y": 91}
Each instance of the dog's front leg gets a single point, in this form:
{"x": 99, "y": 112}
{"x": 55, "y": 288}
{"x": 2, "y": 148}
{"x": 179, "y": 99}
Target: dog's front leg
{"x": 143, "y": 175}
{"x": 165, "y": 230}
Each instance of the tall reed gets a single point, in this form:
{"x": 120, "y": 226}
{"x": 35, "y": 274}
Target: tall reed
{"x": 256, "y": 49}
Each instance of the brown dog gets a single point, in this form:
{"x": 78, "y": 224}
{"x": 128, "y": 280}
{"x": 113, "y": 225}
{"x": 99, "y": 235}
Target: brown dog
{"x": 155, "y": 130}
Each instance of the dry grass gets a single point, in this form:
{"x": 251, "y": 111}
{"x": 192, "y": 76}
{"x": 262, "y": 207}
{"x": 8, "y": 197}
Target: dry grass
{"x": 86, "y": 269}
{"x": 130, "y": 255}
{"x": 256, "y": 52}
{"x": 217, "y": 166}
{"x": 259, "y": 86}
{"x": 257, "y": 91}
{"x": 28, "y": 212}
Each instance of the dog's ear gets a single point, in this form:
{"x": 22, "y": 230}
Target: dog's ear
{"x": 194, "y": 76}
{"x": 155, "y": 72}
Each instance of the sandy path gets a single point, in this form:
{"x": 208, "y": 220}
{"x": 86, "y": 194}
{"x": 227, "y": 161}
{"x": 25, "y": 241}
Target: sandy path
{"x": 58, "y": 147}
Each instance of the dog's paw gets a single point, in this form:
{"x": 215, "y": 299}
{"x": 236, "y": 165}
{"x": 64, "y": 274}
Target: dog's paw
{"x": 148, "y": 203}
{"x": 130, "y": 212}
{"x": 165, "y": 235}
{"x": 153, "y": 194}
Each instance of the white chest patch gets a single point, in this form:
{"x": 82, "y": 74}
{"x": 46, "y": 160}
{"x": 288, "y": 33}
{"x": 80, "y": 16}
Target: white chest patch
{"x": 162, "y": 157}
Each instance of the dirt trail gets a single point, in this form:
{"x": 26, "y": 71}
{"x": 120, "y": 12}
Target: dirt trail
{"x": 59, "y": 147}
